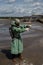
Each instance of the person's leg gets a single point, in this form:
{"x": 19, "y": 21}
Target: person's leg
{"x": 14, "y": 49}
{"x": 20, "y": 50}
{"x": 21, "y": 56}
{"x": 14, "y": 57}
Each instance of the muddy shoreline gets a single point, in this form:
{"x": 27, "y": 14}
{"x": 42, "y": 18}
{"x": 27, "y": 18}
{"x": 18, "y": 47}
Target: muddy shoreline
{"x": 33, "y": 45}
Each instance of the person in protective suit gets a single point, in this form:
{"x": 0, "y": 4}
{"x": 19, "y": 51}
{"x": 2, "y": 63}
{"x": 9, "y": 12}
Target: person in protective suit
{"x": 17, "y": 44}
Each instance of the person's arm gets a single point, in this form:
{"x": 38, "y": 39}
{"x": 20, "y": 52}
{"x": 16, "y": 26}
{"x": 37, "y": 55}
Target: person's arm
{"x": 18, "y": 29}
{"x": 26, "y": 27}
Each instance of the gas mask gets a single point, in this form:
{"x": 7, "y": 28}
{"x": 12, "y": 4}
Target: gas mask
{"x": 17, "y": 22}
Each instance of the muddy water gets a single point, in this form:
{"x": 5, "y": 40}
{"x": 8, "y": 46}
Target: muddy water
{"x": 33, "y": 42}
{"x": 35, "y": 31}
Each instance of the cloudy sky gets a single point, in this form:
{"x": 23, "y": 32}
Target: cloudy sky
{"x": 20, "y": 7}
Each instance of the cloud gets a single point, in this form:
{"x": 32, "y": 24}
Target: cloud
{"x": 5, "y": 9}
{"x": 16, "y": 8}
{"x": 7, "y": 1}
{"x": 36, "y": 3}
{"x": 28, "y": 1}
{"x": 37, "y": 10}
{"x": 15, "y": 11}
{"x": 11, "y": 0}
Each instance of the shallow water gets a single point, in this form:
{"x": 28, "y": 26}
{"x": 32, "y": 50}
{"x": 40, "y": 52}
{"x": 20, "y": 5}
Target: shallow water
{"x": 33, "y": 43}
{"x": 35, "y": 31}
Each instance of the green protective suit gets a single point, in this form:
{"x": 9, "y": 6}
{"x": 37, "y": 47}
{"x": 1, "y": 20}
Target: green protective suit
{"x": 17, "y": 44}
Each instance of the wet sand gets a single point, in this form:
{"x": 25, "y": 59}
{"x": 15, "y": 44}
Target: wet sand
{"x": 33, "y": 46}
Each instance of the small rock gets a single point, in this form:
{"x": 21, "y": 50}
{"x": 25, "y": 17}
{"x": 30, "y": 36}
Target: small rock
{"x": 30, "y": 64}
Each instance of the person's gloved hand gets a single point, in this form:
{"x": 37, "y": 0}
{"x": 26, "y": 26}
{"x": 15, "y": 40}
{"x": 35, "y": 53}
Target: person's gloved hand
{"x": 27, "y": 29}
{"x": 30, "y": 25}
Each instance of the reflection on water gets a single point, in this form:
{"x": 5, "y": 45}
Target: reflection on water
{"x": 4, "y": 31}
{"x": 1, "y": 24}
